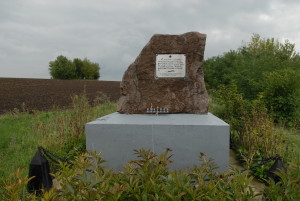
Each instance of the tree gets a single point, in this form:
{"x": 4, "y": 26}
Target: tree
{"x": 90, "y": 70}
{"x": 281, "y": 94}
{"x": 246, "y": 66}
{"x": 264, "y": 70}
{"x": 218, "y": 70}
{"x": 63, "y": 68}
{"x": 79, "y": 68}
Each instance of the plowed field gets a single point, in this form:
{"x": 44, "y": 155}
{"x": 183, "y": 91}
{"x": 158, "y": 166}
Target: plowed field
{"x": 44, "y": 94}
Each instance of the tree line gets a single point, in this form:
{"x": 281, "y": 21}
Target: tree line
{"x": 263, "y": 70}
{"x": 66, "y": 69}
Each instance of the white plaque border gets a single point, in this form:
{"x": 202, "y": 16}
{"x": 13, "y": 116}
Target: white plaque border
{"x": 156, "y": 77}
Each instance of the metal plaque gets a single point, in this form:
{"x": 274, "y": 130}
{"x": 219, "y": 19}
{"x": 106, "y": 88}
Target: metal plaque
{"x": 170, "y": 66}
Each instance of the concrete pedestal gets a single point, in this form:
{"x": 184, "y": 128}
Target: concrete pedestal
{"x": 117, "y": 135}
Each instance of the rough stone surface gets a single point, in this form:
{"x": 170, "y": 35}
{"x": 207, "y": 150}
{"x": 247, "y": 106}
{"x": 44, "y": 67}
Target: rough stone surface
{"x": 141, "y": 90}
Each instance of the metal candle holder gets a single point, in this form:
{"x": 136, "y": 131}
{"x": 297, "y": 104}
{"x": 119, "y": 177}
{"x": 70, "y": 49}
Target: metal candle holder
{"x": 157, "y": 110}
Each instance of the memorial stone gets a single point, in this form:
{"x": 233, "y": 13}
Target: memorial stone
{"x": 166, "y": 78}
{"x": 168, "y": 74}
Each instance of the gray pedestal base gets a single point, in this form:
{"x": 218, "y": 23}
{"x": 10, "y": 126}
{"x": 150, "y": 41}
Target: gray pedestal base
{"x": 117, "y": 135}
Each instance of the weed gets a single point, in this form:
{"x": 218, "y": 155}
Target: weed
{"x": 67, "y": 129}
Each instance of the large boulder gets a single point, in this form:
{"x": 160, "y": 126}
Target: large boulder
{"x": 182, "y": 90}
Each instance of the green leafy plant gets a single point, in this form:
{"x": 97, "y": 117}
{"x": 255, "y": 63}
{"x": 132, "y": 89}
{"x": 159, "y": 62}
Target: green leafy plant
{"x": 288, "y": 186}
{"x": 147, "y": 178}
{"x": 234, "y": 109}
{"x": 281, "y": 95}
{"x": 14, "y": 187}
{"x": 245, "y": 67}
{"x": 262, "y": 68}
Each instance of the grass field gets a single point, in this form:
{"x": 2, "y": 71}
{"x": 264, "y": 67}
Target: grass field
{"x": 62, "y": 132}
{"x": 17, "y": 142}
{"x": 22, "y": 133}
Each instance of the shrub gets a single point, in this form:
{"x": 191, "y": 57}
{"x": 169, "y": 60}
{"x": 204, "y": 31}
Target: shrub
{"x": 14, "y": 187}
{"x": 147, "y": 178}
{"x": 233, "y": 108}
{"x": 281, "y": 94}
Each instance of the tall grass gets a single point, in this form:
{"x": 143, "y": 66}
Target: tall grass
{"x": 61, "y": 131}
{"x": 64, "y": 127}
{"x": 66, "y": 130}
{"x": 261, "y": 138}
{"x": 253, "y": 132}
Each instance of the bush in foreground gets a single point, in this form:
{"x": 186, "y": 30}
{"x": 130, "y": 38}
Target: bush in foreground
{"x": 149, "y": 178}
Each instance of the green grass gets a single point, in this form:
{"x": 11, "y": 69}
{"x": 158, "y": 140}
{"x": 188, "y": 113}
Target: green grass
{"x": 17, "y": 141}
{"x": 22, "y": 133}
{"x": 62, "y": 132}
{"x": 293, "y": 138}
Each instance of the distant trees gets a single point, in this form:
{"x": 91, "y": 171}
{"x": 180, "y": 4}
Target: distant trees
{"x": 65, "y": 69}
{"x": 247, "y": 65}
{"x": 263, "y": 70}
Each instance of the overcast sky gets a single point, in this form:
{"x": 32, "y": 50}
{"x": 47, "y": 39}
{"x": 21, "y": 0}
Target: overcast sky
{"x": 113, "y": 32}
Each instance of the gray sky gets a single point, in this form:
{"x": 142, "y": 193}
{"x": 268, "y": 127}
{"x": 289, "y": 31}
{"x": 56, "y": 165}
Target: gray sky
{"x": 113, "y": 32}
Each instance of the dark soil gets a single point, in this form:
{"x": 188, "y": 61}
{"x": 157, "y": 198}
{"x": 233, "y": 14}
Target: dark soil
{"x": 45, "y": 94}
